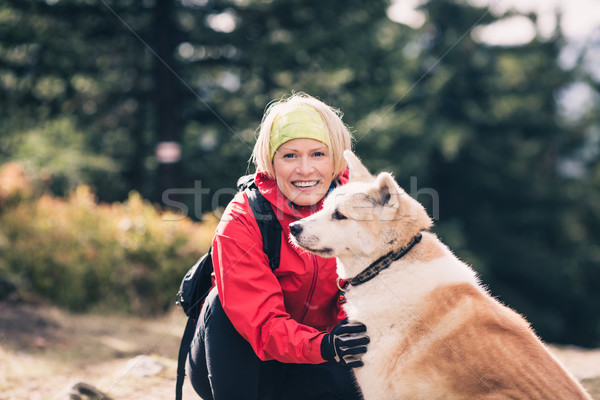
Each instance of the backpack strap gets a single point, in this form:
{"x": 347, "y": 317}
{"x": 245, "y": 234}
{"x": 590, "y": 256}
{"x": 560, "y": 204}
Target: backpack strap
{"x": 184, "y": 349}
{"x": 270, "y": 228}
{"x": 245, "y": 182}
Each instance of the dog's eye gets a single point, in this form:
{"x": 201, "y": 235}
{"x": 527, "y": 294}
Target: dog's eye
{"x": 338, "y": 215}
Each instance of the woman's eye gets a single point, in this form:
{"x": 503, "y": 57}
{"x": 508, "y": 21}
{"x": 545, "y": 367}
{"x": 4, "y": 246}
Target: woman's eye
{"x": 337, "y": 215}
{"x": 288, "y": 155}
{"x": 319, "y": 154}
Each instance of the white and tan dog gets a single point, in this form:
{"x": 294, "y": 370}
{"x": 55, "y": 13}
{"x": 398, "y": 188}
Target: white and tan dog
{"x": 435, "y": 331}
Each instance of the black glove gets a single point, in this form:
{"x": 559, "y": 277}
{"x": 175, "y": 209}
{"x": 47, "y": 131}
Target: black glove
{"x": 345, "y": 344}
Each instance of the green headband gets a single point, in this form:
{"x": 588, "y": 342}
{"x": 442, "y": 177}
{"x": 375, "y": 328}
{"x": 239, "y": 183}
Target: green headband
{"x": 301, "y": 122}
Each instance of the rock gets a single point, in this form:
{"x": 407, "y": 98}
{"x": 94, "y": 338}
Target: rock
{"x": 7, "y": 289}
{"x": 84, "y": 391}
{"x": 143, "y": 366}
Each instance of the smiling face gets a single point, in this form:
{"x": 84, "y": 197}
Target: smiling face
{"x": 303, "y": 170}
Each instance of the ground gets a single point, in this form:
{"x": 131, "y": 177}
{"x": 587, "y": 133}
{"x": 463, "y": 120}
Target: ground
{"x": 44, "y": 351}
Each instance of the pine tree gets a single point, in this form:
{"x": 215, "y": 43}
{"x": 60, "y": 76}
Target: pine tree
{"x": 488, "y": 125}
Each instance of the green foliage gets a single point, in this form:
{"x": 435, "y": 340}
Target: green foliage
{"x": 79, "y": 254}
{"x": 69, "y": 61}
{"x": 61, "y": 155}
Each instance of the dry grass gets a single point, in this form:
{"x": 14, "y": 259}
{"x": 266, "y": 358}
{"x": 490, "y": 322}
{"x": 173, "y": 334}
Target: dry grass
{"x": 45, "y": 350}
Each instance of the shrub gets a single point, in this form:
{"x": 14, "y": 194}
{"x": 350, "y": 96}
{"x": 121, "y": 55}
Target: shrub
{"x": 83, "y": 255}
{"x": 14, "y": 185}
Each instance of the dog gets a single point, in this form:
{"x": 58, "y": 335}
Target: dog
{"x": 436, "y": 333}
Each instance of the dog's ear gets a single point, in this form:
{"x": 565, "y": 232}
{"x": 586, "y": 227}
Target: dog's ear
{"x": 387, "y": 190}
{"x": 358, "y": 172}
{"x": 388, "y": 194}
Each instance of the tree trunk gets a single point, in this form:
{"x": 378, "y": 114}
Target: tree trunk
{"x": 166, "y": 101}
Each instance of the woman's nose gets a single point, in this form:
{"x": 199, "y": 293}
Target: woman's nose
{"x": 305, "y": 166}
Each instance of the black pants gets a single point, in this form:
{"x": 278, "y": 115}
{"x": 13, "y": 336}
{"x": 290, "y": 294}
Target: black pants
{"x": 223, "y": 366}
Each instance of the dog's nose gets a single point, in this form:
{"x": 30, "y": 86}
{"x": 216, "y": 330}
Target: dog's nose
{"x": 295, "y": 228}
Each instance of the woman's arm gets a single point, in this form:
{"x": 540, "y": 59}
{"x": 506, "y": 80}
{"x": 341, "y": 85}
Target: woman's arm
{"x": 251, "y": 294}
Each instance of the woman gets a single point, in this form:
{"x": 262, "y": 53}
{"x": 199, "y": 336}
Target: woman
{"x": 279, "y": 334}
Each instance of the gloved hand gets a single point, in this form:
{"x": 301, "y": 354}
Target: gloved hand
{"x": 345, "y": 344}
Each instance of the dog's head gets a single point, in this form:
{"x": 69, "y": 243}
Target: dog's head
{"x": 364, "y": 219}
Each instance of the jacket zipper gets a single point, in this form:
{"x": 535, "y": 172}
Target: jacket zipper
{"x": 312, "y": 288}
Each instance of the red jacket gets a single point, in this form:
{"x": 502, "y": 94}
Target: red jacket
{"x": 285, "y": 313}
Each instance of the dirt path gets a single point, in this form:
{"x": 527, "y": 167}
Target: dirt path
{"x": 44, "y": 351}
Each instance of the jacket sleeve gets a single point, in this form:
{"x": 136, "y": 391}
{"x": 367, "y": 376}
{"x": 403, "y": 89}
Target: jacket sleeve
{"x": 251, "y": 295}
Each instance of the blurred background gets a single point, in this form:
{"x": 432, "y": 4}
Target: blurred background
{"x": 125, "y": 124}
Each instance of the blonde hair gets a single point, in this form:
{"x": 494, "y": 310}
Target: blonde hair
{"x": 339, "y": 135}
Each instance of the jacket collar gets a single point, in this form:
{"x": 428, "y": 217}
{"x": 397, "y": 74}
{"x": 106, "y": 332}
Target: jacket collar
{"x": 268, "y": 188}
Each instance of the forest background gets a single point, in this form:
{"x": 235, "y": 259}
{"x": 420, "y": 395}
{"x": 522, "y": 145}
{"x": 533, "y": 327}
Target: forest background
{"x": 124, "y": 126}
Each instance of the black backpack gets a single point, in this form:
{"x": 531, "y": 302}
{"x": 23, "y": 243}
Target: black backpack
{"x": 197, "y": 281}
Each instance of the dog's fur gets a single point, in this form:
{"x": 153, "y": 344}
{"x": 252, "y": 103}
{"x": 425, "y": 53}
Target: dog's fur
{"x": 435, "y": 331}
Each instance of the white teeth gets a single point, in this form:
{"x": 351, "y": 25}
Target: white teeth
{"x": 306, "y": 184}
